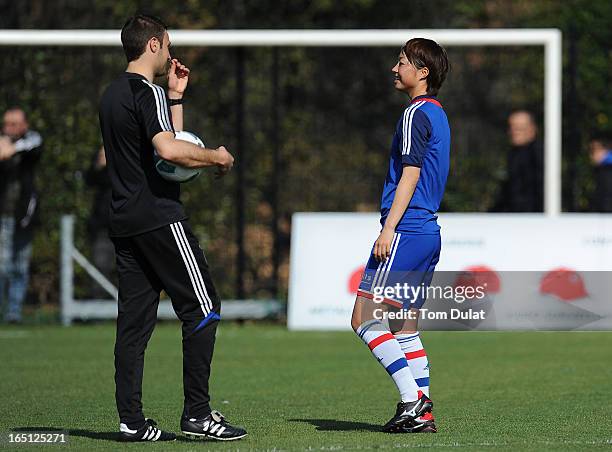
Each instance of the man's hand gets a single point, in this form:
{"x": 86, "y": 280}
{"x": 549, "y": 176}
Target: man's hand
{"x": 101, "y": 159}
{"x": 225, "y": 161}
{"x": 382, "y": 247}
{"x": 7, "y": 148}
{"x": 178, "y": 77}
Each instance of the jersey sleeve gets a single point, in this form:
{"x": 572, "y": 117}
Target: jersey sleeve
{"x": 415, "y": 134}
{"x": 30, "y": 142}
{"x": 607, "y": 160}
{"x": 154, "y": 110}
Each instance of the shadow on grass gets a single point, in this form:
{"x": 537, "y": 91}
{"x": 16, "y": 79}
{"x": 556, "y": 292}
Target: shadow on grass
{"x": 104, "y": 436}
{"x": 332, "y": 425}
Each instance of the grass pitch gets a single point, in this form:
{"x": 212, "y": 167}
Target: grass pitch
{"x": 317, "y": 391}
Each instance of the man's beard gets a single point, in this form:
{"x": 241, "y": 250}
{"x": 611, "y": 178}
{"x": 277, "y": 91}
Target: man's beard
{"x": 163, "y": 71}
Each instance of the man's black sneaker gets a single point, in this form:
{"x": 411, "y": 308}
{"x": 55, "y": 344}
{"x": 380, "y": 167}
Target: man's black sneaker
{"x": 148, "y": 432}
{"x": 406, "y": 413}
{"x": 213, "y": 426}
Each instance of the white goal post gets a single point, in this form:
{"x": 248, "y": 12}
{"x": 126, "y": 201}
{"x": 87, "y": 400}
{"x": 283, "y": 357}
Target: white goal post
{"x": 96, "y": 309}
{"x": 549, "y": 38}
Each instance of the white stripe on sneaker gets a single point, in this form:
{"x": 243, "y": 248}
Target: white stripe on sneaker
{"x": 123, "y": 428}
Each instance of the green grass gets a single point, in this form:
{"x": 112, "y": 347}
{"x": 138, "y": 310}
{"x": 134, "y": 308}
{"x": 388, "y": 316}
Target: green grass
{"x": 319, "y": 391}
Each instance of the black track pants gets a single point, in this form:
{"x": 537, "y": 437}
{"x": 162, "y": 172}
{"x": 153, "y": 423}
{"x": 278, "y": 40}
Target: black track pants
{"x": 169, "y": 259}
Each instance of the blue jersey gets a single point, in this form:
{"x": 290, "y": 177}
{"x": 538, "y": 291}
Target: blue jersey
{"x": 422, "y": 138}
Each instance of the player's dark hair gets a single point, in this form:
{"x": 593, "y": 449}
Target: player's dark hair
{"x": 422, "y": 53}
{"x": 137, "y": 31}
{"x": 604, "y": 138}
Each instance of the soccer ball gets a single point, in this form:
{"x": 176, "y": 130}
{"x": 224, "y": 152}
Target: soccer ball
{"x": 176, "y": 173}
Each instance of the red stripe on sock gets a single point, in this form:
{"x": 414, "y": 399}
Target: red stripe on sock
{"x": 379, "y": 340}
{"x": 417, "y": 354}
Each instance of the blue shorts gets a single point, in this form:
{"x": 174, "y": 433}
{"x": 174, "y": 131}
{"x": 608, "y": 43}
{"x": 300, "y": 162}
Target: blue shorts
{"x": 402, "y": 280}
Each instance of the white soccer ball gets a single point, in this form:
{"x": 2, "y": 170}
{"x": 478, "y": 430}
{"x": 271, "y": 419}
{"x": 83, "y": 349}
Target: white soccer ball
{"x": 176, "y": 173}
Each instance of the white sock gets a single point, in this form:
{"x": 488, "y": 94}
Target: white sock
{"x": 388, "y": 352}
{"x": 417, "y": 359}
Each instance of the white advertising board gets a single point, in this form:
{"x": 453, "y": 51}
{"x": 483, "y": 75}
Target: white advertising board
{"x": 329, "y": 250}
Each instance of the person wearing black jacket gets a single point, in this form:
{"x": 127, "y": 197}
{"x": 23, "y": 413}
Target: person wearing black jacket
{"x": 523, "y": 188}
{"x": 20, "y": 150}
{"x": 102, "y": 249}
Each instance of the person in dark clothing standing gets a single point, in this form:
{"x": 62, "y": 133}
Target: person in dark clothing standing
{"x": 523, "y": 188}
{"x": 600, "y": 150}
{"x": 102, "y": 249}
{"x": 155, "y": 247}
{"x": 20, "y": 150}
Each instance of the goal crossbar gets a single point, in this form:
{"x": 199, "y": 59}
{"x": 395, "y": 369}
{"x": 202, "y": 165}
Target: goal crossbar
{"x": 550, "y": 39}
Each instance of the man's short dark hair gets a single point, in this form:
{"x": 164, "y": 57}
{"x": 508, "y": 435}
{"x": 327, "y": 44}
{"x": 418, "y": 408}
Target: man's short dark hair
{"x": 137, "y": 31}
{"x": 422, "y": 53}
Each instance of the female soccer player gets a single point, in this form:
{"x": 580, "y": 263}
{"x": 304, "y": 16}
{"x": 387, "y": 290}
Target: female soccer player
{"x": 408, "y": 247}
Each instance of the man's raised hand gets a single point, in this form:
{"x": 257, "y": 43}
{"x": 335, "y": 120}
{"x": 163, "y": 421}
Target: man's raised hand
{"x": 178, "y": 77}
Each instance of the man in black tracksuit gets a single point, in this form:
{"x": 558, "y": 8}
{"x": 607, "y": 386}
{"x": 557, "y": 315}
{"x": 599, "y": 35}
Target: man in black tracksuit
{"x": 155, "y": 247}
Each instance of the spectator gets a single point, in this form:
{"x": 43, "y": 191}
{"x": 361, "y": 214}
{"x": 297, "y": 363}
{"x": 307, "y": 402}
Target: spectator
{"x": 523, "y": 189}
{"x": 600, "y": 149}
{"x": 19, "y": 153}
{"x": 103, "y": 251}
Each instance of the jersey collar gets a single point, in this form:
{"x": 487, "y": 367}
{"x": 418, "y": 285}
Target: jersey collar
{"x": 426, "y": 98}
{"x": 134, "y": 75}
